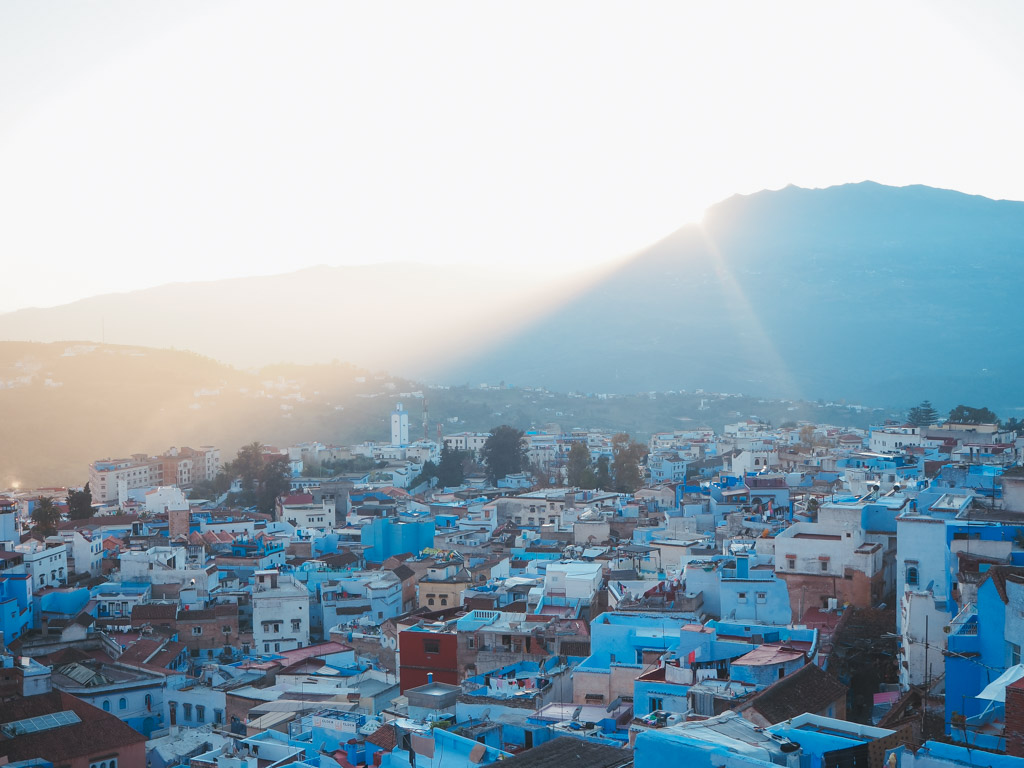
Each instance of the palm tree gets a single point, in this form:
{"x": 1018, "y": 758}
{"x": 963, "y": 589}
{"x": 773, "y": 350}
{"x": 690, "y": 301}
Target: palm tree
{"x": 45, "y": 516}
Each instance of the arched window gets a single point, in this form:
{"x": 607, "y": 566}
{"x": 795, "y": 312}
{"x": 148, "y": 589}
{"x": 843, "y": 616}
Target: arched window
{"x": 149, "y": 702}
{"x": 123, "y": 703}
{"x": 912, "y": 576}
{"x": 106, "y": 705}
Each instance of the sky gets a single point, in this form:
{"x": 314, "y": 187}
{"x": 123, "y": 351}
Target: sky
{"x": 147, "y": 143}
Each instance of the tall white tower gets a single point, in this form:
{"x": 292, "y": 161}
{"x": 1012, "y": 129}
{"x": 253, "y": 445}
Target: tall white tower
{"x": 399, "y": 426}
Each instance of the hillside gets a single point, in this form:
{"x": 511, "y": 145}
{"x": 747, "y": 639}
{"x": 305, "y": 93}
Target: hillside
{"x": 65, "y": 405}
{"x": 868, "y": 293}
{"x": 874, "y": 294}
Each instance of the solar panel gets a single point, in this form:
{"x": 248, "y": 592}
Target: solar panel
{"x": 40, "y": 723}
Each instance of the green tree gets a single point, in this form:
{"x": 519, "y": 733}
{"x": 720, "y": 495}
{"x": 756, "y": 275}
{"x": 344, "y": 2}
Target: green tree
{"x": 603, "y": 477}
{"x": 965, "y": 414}
{"x": 504, "y": 453}
{"x": 80, "y": 504}
{"x": 451, "y": 470}
{"x": 923, "y": 415}
{"x": 246, "y": 467}
{"x": 262, "y": 479}
{"x": 45, "y": 516}
{"x": 428, "y": 473}
{"x": 1015, "y": 425}
{"x": 211, "y": 489}
{"x": 271, "y": 483}
{"x": 626, "y": 457}
{"x": 578, "y": 465}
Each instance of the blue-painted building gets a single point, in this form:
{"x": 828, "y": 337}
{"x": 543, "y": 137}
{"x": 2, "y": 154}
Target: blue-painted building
{"x": 385, "y": 537}
{"x": 15, "y": 602}
{"x": 984, "y": 641}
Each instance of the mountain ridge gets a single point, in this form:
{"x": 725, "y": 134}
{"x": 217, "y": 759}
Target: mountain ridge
{"x": 847, "y": 292}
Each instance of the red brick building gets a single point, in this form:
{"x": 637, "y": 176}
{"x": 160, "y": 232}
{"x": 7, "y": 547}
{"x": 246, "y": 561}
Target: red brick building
{"x": 423, "y": 652}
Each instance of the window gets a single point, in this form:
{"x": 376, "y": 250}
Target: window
{"x": 444, "y": 601}
{"x": 122, "y": 703}
{"x": 296, "y": 625}
{"x": 106, "y": 705}
{"x": 471, "y": 642}
{"x": 1014, "y": 653}
{"x": 762, "y": 597}
{"x": 186, "y": 711}
{"x": 431, "y": 646}
{"x": 913, "y": 576}
{"x": 218, "y": 716}
{"x": 149, "y": 702}
{"x": 197, "y": 630}
{"x": 741, "y": 597}
{"x": 266, "y": 647}
{"x": 656, "y": 703}
{"x": 277, "y": 646}
{"x": 226, "y": 629}
{"x": 824, "y": 565}
{"x": 430, "y": 601}
{"x": 201, "y": 712}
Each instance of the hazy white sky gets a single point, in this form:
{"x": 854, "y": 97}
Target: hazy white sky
{"x": 144, "y": 143}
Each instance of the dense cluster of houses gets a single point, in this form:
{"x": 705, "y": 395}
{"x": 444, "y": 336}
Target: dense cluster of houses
{"x": 799, "y": 596}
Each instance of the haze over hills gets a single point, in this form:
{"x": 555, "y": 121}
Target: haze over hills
{"x": 64, "y": 405}
{"x": 869, "y": 293}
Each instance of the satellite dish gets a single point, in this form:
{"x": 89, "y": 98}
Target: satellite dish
{"x": 614, "y": 705}
{"x": 576, "y": 713}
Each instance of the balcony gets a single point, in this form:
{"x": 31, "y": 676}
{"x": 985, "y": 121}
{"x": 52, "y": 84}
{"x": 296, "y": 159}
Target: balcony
{"x": 963, "y": 632}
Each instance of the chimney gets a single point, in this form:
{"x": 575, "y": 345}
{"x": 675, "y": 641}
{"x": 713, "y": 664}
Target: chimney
{"x": 1015, "y": 719}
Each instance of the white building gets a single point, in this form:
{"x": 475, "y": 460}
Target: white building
{"x": 47, "y": 564}
{"x": 165, "y": 498}
{"x": 423, "y": 451}
{"x": 317, "y": 516}
{"x": 574, "y": 582}
{"x": 111, "y": 479}
{"x": 400, "y": 426}
{"x": 280, "y": 613}
{"x": 170, "y": 565}
{"x": 466, "y": 441}
{"x": 891, "y": 439}
{"x": 86, "y": 551}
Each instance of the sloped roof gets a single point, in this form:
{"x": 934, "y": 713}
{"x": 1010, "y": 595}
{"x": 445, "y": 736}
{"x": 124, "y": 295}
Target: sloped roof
{"x": 154, "y": 612}
{"x": 809, "y": 689}
{"x": 999, "y": 575}
{"x": 403, "y": 572}
{"x": 98, "y": 732}
{"x": 385, "y": 737}
{"x": 567, "y": 752}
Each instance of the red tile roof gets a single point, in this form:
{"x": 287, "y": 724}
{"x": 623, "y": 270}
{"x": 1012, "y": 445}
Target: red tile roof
{"x": 385, "y": 737}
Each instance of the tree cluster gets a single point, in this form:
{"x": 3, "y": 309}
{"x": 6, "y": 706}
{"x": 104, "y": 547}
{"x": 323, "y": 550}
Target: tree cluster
{"x": 627, "y": 458}
{"x": 923, "y": 415}
{"x": 504, "y": 453}
{"x": 965, "y": 414}
{"x": 80, "y": 504}
{"x": 262, "y": 479}
{"x": 45, "y": 516}
{"x": 450, "y": 471}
